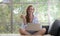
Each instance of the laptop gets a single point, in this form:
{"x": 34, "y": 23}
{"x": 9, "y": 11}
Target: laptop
{"x": 33, "y": 27}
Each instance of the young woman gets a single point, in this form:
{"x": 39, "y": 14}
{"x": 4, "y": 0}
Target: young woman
{"x": 30, "y": 18}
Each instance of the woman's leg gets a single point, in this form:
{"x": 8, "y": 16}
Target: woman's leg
{"x": 23, "y": 32}
{"x": 41, "y": 32}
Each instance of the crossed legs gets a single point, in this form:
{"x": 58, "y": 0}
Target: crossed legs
{"x": 41, "y": 32}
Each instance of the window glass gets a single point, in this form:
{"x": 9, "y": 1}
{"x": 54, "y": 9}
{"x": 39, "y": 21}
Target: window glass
{"x": 5, "y": 16}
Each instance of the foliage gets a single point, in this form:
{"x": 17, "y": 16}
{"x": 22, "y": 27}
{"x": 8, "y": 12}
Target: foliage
{"x": 19, "y": 7}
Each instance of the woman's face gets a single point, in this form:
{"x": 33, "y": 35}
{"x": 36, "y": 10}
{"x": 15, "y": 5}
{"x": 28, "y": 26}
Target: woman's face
{"x": 31, "y": 10}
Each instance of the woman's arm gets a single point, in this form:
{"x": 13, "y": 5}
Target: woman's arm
{"x": 24, "y": 32}
{"x": 21, "y": 30}
{"x": 24, "y": 19}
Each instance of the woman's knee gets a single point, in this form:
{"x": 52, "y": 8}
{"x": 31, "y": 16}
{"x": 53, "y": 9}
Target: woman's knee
{"x": 43, "y": 30}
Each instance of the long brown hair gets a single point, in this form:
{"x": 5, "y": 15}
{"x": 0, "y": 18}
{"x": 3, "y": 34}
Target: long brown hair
{"x": 27, "y": 14}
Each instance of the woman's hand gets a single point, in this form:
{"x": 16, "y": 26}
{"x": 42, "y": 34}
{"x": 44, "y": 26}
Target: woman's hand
{"x": 22, "y": 16}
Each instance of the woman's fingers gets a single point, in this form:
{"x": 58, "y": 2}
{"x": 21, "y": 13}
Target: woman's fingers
{"x": 22, "y": 16}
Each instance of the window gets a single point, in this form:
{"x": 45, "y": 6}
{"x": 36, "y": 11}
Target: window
{"x": 10, "y": 10}
{"x": 5, "y": 18}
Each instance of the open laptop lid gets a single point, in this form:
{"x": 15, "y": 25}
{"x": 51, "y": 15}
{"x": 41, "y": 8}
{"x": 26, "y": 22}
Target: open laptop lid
{"x": 33, "y": 27}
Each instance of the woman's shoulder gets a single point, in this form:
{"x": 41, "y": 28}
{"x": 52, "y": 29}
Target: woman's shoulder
{"x": 35, "y": 17}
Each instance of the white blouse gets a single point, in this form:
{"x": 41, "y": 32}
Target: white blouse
{"x": 35, "y": 21}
